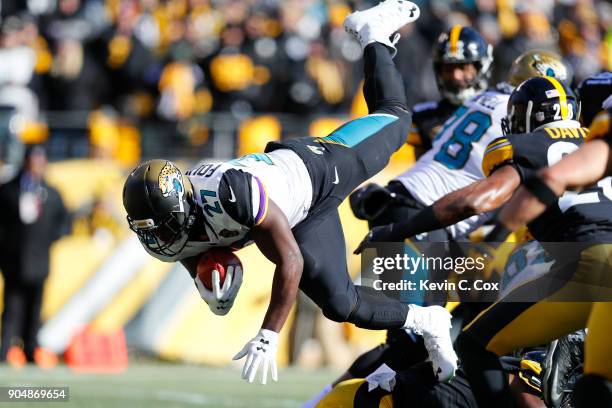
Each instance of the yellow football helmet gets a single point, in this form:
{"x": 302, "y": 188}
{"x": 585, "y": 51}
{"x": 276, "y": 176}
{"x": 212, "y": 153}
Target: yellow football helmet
{"x": 534, "y": 63}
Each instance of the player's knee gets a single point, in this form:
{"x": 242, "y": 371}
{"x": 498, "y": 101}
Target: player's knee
{"x": 404, "y": 117}
{"x": 396, "y": 109}
{"x": 338, "y": 308}
{"x": 592, "y": 391}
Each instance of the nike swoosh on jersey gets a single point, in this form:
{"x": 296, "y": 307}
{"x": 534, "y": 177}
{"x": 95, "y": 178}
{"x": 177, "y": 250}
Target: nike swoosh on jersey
{"x": 232, "y": 198}
{"x": 337, "y": 180}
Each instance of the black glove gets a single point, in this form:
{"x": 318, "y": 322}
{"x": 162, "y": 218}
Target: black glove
{"x": 371, "y": 200}
{"x": 423, "y": 221}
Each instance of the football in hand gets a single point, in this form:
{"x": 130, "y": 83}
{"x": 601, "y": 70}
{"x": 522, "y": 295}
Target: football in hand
{"x": 216, "y": 259}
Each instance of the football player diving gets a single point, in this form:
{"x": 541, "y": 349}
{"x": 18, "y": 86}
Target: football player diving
{"x": 285, "y": 200}
{"x": 547, "y": 204}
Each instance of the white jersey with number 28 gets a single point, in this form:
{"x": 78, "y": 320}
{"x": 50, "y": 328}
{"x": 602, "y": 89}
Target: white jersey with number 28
{"x": 455, "y": 159}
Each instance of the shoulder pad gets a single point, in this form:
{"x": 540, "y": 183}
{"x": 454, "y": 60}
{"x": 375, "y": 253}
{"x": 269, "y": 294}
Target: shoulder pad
{"x": 490, "y": 100}
{"x": 498, "y": 152}
{"x": 243, "y": 197}
{"x": 600, "y": 126}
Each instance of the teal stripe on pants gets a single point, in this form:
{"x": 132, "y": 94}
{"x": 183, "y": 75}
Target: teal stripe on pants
{"x": 358, "y": 130}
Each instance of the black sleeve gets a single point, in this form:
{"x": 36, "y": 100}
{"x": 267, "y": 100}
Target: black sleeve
{"x": 243, "y": 197}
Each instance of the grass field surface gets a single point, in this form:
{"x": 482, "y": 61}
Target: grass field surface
{"x": 169, "y": 385}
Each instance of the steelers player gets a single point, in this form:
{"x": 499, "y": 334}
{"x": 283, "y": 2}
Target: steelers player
{"x": 534, "y": 118}
{"x": 285, "y": 200}
{"x": 584, "y": 217}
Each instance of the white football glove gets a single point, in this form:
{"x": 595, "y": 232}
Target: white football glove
{"x": 261, "y": 351}
{"x": 221, "y": 299}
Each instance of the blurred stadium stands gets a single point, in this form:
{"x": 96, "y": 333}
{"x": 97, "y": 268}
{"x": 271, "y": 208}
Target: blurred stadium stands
{"x": 106, "y": 83}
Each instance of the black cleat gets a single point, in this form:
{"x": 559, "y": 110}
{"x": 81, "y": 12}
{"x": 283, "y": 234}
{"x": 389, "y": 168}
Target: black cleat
{"x": 562, "y": 368}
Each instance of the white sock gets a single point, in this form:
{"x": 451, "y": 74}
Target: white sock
{"x": 312, "y": 403}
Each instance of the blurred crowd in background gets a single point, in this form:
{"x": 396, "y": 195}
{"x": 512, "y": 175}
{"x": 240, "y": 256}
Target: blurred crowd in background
{"x": 109, "y": 77}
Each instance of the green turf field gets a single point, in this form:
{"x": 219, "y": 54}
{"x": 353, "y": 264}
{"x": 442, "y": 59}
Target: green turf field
{"x": 169, "y": 385}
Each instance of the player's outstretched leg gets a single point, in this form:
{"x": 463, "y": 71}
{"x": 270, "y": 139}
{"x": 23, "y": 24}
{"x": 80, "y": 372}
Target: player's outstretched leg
{"x": 359, "y": 149}
{"x": 362, "y": 147}
{"x": 326, "y": 281}
{"x": 376, "y": 26}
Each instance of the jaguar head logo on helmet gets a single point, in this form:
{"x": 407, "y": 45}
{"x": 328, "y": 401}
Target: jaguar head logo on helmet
{"x": 538, "y": 62}
{"x": 159, "y": 201}
{"x": 170, "y": 183}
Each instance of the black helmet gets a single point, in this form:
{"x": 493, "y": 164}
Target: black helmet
{"x": 462, "y": 45}
{"x": 160, "y": 207}
{"x": 538, "y": 101}
{"x": 592, "y": 93}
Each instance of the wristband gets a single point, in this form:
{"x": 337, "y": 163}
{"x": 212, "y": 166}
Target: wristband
{"x": 536, "y": 186}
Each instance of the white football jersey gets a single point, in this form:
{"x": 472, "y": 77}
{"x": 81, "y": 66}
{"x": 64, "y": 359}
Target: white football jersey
{"x": 234, "y": 197}
{"x": 455, "y": 159}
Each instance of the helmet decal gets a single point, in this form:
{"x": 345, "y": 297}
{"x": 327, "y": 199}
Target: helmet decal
{"x": 540, "y": 101}
{"x": 455, "y": 46}
{"x": 562, "y": 97}
{"x": 171, "y": 184}
{"x": 538, "y": 63}
{"x": 547, "y": 68}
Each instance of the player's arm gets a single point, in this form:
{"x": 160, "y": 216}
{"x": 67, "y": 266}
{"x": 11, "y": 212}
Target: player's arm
{"x": 274, "y": 238}
{"x": 477, "y": 198}
{"x": 502, "y": 179}
{"x": 482, "y": 196}
{"x": 583, "y": 167}
{"x": 245, "y": 199}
